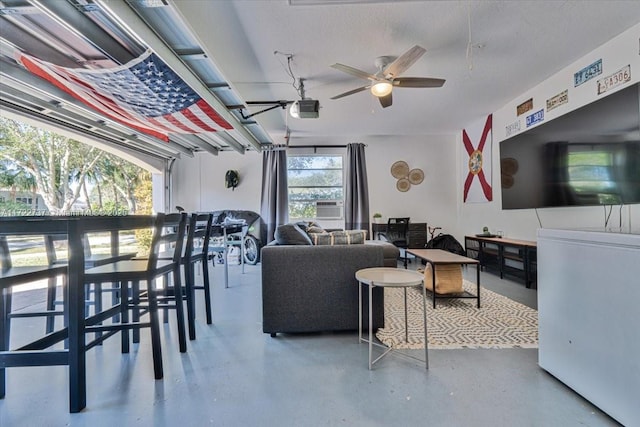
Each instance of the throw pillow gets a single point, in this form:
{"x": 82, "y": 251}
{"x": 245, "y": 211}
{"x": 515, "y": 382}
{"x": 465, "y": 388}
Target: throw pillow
{"x": 314, "y": 229}
{"x": 291, "y": 234}
{"x": 346, "y": 237}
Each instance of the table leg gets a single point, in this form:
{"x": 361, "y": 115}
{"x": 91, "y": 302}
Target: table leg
{"x": 478, "y": 282}
{"x": 370, "y": 325}
{"x": 5, "y": 308}
{"x": 433, "y": 282}
{"x": 359, "y": 312}
{"x": 406, "y": 322}
{"x": 226, "y": 259}
{"x": 424, "y": 312}
{"x": 242, "y": 236}
{"x": 76, "y": 300}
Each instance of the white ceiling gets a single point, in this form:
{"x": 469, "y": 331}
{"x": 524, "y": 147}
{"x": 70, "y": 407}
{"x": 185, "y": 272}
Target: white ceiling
{"x": 515, "y": 45}
{"x": 235, "y": 53}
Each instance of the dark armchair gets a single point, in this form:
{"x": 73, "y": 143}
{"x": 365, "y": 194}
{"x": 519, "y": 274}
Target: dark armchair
{"x": 396, "y": 233}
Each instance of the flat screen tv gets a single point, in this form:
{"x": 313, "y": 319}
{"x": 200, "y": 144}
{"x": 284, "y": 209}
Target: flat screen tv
{"x": 590, "y": 156}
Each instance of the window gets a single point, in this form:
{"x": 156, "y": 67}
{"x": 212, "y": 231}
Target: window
{"x": 314, "y": 178}
{"x": 25, "y": 200}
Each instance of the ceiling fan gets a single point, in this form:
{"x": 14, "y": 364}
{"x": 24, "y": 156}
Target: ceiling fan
{"x": 388, "y": 76}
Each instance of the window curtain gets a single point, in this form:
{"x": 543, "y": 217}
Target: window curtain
{"x": 274, "y": 206}
{"x": 356, "y": 203}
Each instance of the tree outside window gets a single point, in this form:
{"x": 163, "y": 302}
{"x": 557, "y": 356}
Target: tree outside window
{"x": 312, "y": 178}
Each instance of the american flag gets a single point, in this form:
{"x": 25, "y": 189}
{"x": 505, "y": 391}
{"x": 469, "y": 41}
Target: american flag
{"x": 144, "y": 94}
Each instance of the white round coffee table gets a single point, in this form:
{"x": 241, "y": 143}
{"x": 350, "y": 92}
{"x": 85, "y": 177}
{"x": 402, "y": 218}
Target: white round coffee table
{"x": 388, "y": 277}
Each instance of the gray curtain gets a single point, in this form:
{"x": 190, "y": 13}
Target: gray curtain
{"x": 356, "y": 203}
{"x": 274, "y": 206}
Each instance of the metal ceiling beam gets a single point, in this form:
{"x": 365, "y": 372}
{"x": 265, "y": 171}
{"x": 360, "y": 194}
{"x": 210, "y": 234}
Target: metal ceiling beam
{"x": 86, "y": 29}
{"x": 143, "y": 31}
{"x": 55, "y": 117}
{"x": 197, "y": 141}
{"x": 36, "y": 41}
{"x": 19, "y": 113}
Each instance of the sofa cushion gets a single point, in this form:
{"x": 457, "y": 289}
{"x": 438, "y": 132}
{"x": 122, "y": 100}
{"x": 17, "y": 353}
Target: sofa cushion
{"x": 291, "y": 234}
{"x": 343, "y": 237}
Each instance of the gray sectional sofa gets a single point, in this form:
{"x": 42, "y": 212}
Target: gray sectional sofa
{"x": 309, "y": 288}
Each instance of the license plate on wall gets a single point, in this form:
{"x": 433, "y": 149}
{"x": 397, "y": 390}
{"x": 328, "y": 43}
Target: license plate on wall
{"x": 534, "y": 118}
{"x": 621, "y": 76}
{"x": 587, "y": 73}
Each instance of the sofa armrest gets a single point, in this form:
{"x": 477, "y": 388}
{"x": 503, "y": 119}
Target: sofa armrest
{"x": 313, "y": 288}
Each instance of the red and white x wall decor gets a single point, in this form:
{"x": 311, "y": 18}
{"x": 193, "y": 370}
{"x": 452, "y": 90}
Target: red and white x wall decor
{"x": 476, "y": 167}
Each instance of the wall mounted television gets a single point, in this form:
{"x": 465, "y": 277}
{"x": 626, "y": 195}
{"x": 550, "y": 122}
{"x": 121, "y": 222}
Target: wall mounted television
{"x": 590, "y": 156}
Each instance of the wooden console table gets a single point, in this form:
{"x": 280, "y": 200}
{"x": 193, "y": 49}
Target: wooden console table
{"x": 506, "y": 256}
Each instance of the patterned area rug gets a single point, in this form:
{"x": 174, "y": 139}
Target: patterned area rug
{"x": 458, "y": 323}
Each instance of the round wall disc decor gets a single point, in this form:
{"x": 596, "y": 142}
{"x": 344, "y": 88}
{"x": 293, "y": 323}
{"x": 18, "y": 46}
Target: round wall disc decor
{"x": 400, "y": 169}
{"x": 506, "y": 180}
{"x": 416, "y": 176}
{"x": 509, "y": 166}
{"x": 403, "y": 185}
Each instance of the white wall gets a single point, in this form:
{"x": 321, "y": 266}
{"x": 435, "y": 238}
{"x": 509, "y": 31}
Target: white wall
{"x": 522, "y": 224}
{"x": 198, "y": 183}
{"x": 432, "y": 201}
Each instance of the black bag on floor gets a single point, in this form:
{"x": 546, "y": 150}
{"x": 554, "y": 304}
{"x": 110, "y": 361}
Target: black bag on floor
{"x": 445, "y": 242}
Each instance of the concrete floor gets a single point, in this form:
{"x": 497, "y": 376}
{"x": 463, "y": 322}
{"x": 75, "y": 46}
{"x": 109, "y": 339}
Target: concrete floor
{"x": 234, "y": 375}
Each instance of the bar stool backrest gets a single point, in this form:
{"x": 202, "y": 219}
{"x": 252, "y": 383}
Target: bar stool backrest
{"x": 198, "y": 234}
{"x": 169, "y": 232}
{"x": 5, "y": 255}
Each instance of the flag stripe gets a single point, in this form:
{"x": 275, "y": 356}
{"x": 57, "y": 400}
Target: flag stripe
{"x": 213, "y": 115}
{"x": 34, "y": 66}
{"x": 144, "y": 94}
{"x": 193, "y": 117}
{"x": 485, "y": 132}
{"x": 486, "y": 188}
{"x": 467, "y": 185}
{"x": 467, "y": 142}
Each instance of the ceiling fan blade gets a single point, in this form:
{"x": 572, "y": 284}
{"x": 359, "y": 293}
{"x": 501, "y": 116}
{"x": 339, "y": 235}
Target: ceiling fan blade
{"x": 354, "y": 71}
{"x": 351, "y": 92}
{"x": 386, "y": 101}
{"x": 418, "y": 82}
{"x": 404, "y": 61}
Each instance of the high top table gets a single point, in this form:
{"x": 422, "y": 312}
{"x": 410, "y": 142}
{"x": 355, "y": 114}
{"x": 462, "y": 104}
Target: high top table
{"x": 440, "y": 257}
{"x": 389, "y": 277}
{"x": 39, "y": 353}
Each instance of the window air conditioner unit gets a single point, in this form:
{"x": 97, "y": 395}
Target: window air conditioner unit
{"x": 329, "y": 209}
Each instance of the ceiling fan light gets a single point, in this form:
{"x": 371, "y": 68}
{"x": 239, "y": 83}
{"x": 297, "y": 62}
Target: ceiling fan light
{"x": 381, "y": 89}
{"x": 294, "y": 110}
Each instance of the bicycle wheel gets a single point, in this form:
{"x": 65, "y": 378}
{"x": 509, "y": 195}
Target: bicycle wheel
{"x": 251, "y": 250}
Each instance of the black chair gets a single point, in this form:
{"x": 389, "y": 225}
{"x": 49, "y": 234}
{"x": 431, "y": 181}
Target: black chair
{"x": 196, "y": 249}
{"x": 90, "y": 260}
{"x": 396, "y": 233}
{"x": 11, "y": 276}
{"x": 168, "y": 234}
